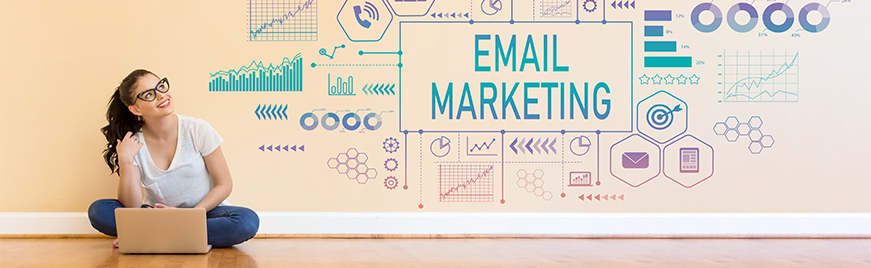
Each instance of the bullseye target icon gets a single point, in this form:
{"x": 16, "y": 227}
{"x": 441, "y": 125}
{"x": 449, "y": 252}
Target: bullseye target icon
{"x": 660, "y": 116}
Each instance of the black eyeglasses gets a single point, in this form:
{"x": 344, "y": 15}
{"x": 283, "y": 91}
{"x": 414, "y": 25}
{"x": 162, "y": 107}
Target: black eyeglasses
{"x": 149, "y": 95}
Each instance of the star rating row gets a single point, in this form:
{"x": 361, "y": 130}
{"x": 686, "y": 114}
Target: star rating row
{"x": 669, "y": 79}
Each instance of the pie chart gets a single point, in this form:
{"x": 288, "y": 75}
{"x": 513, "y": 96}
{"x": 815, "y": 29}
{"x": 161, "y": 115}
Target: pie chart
{"x": 580, "y": 145}
{"x": 440, "y": 147}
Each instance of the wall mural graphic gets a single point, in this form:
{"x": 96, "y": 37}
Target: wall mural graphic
{"x": 559, "y": 100}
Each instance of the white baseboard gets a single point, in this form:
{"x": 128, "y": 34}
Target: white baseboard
{"x": 498, "y": 223}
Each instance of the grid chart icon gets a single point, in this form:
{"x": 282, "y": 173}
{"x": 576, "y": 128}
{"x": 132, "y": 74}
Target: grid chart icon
{"x": 760, "y": 76}
{"x": 282, "y": 20}
{"x": 556, "y": 8}
{"x": 465, "y": 183}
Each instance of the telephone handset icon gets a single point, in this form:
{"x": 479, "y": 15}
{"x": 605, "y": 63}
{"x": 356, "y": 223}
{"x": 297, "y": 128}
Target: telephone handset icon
{"x": 371, "y": 12}
{"x": 364, "y": 23}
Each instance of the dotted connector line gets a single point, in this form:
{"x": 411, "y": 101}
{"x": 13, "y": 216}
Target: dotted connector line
{"x": 508, "y": 162}
{"x": 356, "y": 65}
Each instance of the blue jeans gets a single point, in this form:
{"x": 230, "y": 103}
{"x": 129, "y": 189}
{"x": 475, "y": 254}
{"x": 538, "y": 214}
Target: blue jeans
{"x": 226, "y": 225}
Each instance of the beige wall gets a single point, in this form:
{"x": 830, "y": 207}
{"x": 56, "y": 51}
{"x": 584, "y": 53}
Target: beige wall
{"x": 61, "y": 60}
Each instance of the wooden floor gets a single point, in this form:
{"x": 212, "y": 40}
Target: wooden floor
{"x": 696, "y": 253}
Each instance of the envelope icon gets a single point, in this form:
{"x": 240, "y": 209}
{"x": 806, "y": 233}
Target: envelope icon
{"x": 635, "y": 160}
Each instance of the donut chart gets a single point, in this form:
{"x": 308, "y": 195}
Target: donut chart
{"x": 802, "y": 17}
{"x": 766, "y": 17}
{"x": 718, "y": 17}
{"x": 742, "y": 28}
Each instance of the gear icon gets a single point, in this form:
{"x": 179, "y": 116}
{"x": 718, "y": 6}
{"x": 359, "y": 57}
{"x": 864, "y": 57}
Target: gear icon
{"x": 391, "y": 164}
{"x": 590, "y": 9}
{"x": 391, "y": 145}
{"x": 391, "y": 182}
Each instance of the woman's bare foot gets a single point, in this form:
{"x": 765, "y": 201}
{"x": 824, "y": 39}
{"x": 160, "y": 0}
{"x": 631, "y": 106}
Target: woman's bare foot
{"x": 115, "y": 243}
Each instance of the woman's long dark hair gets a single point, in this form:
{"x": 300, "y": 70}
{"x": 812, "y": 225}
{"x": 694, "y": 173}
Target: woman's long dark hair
{"x": 121, "y": 120}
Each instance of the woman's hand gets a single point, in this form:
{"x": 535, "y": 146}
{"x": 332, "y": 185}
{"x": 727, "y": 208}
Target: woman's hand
{"x": 159, "y": 205}
{"x": 128, "y": 148}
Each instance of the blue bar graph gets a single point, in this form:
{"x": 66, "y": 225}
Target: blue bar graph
{"x": 653, "y": 30}
{"x": 286, "y": 76}
{"x": 657, "y": 15}
{"x": 660, "y": 46}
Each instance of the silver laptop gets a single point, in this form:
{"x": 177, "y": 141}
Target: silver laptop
{"x": 162, "y": 230}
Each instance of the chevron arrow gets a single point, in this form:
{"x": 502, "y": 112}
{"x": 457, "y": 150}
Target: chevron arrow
{"x": 605, "y": 197}
{"x": 512, "y": 146}
{"x": 284, "y": 112}
{"x": 621, "y": 197}
{"x": 528, "y": 144}
{"x": 391, "y": 89}
{"x": 273, "y": 112}
{"x": 522, "y": 142}
{"x": 614, "y": 4}
{"x": 262, "y": 148}
{"x": 544, "y": 146}
{"x": 293, "y": 148}
{"x": 257, "y": 111}
{"x": 597, "y": 197}
{"x": 302, "y": 148}
{"x": 633, "y": 4}
{"x": 581, "y": 197}
{"x": 536, "y": 146}
{"x": 551, "y": 146}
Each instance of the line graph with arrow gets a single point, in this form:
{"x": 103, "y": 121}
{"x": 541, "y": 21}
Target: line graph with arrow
{"x": 760, "y": 78}
{"x": 465, "y": 183}
{"x": 480, "y": 149}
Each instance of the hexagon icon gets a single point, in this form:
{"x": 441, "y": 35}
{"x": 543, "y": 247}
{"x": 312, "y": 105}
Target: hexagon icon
{"x": 755, "y": 147}
{"x": 767, "y": 141}
{"x": 635, "y": 160}
{"x": 522, "y": 182}
{"x": 688, "y": 161}
{"x": 364, "y": 20}
{"x": 755, "y": 135}
{"x": 743, "y": 129}
{"x": 411, "y": 8}
{"x": 732, "y": 135}
{"x": 732, "y": 122}
{"x": 333, "y": 163}
{"x": 720, "y": 128}
{"x": 662, "y": 117}
{"x": 755, "y": 122}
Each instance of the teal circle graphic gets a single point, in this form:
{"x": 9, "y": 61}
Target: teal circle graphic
{"x": 718, "y": 17}
{"x": 802, "y": 17}
{"x": 766, "y": 17}
{"x": 754, "y": 17}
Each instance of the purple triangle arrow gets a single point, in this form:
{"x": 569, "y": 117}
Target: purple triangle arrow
{"x": 262, "y": 148}
{"x": 293, "y": 148}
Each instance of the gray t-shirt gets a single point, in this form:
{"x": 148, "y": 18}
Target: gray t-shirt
{"x": 187, "y": 180}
